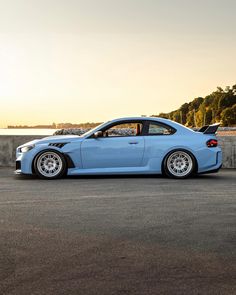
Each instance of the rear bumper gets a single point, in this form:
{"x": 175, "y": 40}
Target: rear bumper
{"x": 212, "y": 171}
{"x": 209, "y": 160}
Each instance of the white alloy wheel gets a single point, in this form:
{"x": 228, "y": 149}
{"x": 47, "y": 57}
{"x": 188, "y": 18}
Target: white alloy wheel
{"x": 50, "y": 164}
{"x": 179, "y": 164}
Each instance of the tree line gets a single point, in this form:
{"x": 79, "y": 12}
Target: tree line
{"x": 219, "y": 106}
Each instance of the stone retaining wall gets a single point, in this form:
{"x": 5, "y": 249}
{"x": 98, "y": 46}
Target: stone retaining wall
{"x": 8, "y": 144}
{"x": 228, "y": 145}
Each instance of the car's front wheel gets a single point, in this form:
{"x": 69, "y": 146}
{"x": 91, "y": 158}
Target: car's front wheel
{"x": 50, "y": 165}
{"x": 179, "y": 164}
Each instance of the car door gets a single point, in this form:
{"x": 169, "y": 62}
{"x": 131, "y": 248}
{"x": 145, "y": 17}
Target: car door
{"x": 112, "y": 152}
{"x": 159, "y": 138}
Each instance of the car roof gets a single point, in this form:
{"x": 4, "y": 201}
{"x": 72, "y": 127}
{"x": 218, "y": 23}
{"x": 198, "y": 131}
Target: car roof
{"x": 141, "y": 118}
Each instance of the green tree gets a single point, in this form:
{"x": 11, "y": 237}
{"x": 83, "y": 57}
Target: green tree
{"x": 228, "y": 116}
{"x": 194, "y": 105}
{"x": 190, "y": 119}
{"x": 200, "y": 117}
{"x": 163, "y": 115}
{"x": 184, "y": 111}
{"x": 208, "y": 100}
{"x": 214, "y": 107}
{"x": 208, "y": 117}
{"x": 227, "y": 100}
{"x": 177, "y": 116}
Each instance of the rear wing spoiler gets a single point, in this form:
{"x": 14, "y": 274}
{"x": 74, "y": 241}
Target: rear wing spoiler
{"x": 209, "y": 129}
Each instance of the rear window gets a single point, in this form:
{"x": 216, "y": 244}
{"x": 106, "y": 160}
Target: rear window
{"x": 156, "y": 128}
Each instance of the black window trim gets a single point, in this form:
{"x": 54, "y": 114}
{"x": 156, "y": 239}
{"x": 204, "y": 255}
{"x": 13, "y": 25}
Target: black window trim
{"x": 122, "y": 122}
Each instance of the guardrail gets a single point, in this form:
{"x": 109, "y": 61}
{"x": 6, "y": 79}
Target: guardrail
{"x": 8, "y": 144}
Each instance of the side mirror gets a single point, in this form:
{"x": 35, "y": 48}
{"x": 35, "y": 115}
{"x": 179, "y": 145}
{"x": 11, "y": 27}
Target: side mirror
{"x": 98, "y": 134}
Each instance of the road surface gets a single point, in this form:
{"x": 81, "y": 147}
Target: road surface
{"x": 118, "y": 235}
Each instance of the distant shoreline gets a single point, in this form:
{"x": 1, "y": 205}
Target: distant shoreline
{"x": 56, "y": 126}
{"x": 27, "y": 131}
{"x": 12, "y": 127}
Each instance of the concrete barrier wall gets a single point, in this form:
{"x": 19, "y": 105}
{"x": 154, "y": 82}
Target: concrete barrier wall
{"x": 228, "y": 145}
{"x": 8, "y": 144}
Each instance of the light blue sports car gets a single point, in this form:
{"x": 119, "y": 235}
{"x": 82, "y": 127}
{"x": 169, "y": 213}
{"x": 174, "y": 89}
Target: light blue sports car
{"x": 137, "y": 145}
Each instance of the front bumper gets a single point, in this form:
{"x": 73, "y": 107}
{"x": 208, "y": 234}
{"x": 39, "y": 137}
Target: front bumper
{"x": 18, "y": 172}
{"x": 24, "y": 160}
{"x": 18, "y": 165}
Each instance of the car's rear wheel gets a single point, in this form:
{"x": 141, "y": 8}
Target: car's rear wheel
{"x": 50, "y": 165}
{"x": 179, "y": 164}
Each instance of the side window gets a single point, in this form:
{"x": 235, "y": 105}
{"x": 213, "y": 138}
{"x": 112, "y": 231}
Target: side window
{"x": 124, "y": 129}
{"x": 159, "y": 129}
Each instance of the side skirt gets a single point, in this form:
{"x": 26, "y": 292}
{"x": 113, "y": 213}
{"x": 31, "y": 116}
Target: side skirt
{"x": 112, "y": 171}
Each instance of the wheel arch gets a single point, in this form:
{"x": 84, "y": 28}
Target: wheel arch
{"x": 179, "y": 149}
{"x": 69, "y": 162}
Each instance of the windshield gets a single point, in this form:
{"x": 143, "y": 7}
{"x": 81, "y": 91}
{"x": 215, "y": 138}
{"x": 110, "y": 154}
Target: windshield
{"x": 94, "y": 129}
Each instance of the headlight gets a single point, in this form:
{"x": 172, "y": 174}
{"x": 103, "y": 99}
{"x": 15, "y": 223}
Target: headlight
{"x": 26, "y": 148}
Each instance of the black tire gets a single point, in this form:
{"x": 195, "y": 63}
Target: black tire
{"x": 179, "y": 164}
{"x": 42, "y": 164}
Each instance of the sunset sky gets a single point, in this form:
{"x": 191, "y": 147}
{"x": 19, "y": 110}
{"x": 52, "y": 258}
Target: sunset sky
{"x": 93, "y": 60}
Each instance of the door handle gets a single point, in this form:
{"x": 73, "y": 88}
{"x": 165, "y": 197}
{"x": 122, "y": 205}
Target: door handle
{"x": 133, "y": 142}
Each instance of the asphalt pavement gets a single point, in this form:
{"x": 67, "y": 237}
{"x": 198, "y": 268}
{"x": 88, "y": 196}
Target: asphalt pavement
{"x": 118, "y": 235}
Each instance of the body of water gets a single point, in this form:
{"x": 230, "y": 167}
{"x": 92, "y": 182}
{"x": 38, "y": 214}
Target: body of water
{"x": 15, "y": 131}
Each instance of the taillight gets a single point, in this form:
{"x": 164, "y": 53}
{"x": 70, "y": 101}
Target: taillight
{"x": 212, "y": 143}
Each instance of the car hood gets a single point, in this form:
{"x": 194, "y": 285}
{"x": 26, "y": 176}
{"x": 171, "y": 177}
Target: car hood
{"x": 60, "y": 138}
{"x": 54, "y": 139}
